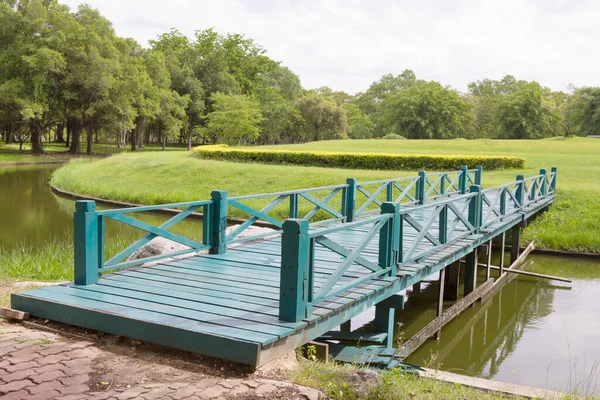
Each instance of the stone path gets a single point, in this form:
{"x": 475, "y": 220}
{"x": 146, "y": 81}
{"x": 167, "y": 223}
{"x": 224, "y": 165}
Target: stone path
{"x": 35, "y": 364}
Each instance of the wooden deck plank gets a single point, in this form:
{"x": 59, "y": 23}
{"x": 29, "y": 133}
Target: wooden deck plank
{"x": 214, "y": 323}
{"x": 143, "y": 325}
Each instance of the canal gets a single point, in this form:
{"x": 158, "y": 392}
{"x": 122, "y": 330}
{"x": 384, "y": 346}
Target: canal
{"x": 534, "y": 332}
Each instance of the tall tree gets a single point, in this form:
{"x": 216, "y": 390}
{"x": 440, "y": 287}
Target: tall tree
{"x": 235, "y": 118}
{"x": 584, "y": 111}
{"x": 324, "y": 119}
{"x": 427, "y": 110}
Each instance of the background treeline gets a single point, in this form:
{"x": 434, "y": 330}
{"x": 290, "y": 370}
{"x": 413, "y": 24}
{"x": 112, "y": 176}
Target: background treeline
{"x": 67, "y": 77}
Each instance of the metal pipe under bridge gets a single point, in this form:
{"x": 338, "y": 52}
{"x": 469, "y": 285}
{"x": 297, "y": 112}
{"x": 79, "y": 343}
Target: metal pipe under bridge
{"x": 336, "y": 251}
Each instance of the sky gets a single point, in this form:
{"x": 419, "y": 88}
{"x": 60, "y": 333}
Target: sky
{"x": 348, "y": 44}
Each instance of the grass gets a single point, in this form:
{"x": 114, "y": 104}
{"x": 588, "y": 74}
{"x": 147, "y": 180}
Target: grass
{"x": 10, "y": 153}
{"x": 50, "y": 262}
{"x": 333, "y": 380}
{"x": 154, "y": 178}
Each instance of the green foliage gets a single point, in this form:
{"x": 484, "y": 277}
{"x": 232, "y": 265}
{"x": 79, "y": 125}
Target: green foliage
{"x": 323, "y": 117}
{"x": 526, "y": 114}
{"x": 357, "y": 160}
{"x": 584, "y": 111}
{"x": 427, "y": 110}
{"x": 235, "y": 118}
{"x": 393, "y": 136}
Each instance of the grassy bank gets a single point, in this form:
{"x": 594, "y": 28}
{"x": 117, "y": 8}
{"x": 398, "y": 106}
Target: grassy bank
{"x": 333, "y": 380}
{"x": 10, "y": 153}
{"x": 50, "y": 262}
{"x": 154, "y": 178}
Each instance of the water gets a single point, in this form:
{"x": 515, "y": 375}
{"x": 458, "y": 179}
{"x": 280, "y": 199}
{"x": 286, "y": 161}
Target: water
{"x": 31, "y": 215}
{"x": 534, "y": 332}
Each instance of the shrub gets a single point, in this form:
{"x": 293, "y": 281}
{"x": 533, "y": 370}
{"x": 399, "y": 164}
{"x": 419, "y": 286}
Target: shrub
{"x": 393, "y": 136}
{"x": 377, "y": 161}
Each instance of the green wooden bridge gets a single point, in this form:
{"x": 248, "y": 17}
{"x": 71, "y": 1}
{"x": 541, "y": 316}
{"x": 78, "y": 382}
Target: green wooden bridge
{"x": 335, "y": 252}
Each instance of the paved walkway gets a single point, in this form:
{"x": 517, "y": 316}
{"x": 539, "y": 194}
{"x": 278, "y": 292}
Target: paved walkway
{"x": 35, "y": 364}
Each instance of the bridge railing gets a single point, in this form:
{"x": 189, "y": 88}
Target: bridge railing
{"x": 301, "y": 287}
{"x": 89, "y": 233}
{"x": 502, "y": 201}
{"x": 432, "y": 225}
{"x": 367, "y": 197}
{"x": 320, "y": 205}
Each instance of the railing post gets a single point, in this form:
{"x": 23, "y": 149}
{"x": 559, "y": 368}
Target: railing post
{"x": 478, "y": 175}
{"x": 350, "y": 199}
{"x": 86, "y": 243}
{"x": 443, "y": 224}
{"x": 503, "y": 201}
{"x": 294, "y": 283}
{"x": 421, "y": 187}
{"x": 388, "y": 237}
{"x": 554, "y": 171}
{"x": 389, "y": 192}
{"x": 520, "y": 194}
{"x": 464, "y": 170}
{"x": 475, "y": 208}
{"x": 544, "y": 182}
{"x": 218, "y": 222}
{"x": 294, "y": 205}
{"x": 443, "y": 184}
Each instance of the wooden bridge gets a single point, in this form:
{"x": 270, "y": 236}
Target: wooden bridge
{"x": 336, "y": 251}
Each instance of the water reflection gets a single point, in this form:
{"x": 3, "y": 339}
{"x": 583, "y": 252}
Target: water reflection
{"x": 534, "y": 332}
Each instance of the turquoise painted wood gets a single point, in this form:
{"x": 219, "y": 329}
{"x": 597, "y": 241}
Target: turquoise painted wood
{"x": 86, "y": 244}
{"x": 254, "y": 302}
{"x": 218, "y": 222}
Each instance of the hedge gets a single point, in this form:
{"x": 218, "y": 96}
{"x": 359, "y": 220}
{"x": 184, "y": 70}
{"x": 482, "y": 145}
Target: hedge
{"x": 379, "y": 161}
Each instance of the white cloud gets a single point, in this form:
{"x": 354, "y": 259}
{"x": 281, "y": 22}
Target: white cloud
{"x": 347, "y": 44}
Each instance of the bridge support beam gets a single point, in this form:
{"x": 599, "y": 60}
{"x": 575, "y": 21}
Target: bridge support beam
{"x": 384, "y": 322}
{"x": 471, "y": 272}
{"x": 384, "y": 317}
{"x": 452, "y": 281}
{"x": 514, "y": 244}
{"x": 440, "y": 307}
{"x": 346, "y": 326}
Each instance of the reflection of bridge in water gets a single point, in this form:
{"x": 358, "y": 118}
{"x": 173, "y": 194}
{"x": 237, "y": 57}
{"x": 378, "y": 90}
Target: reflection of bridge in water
{"x": 478, "y": 342}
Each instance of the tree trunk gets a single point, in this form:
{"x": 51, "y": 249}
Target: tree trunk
{"x": 189, "y": 137}
{"x": 134, "y": 133}
{"x": 36, "y": 138}
{"x": 75, "y": 147}
{"x": 68, "y": 136}
{"x": 59, "y": 134}
{"x": 90, "y": 139}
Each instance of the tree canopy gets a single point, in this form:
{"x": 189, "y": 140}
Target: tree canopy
{"x": 68, "y": 77}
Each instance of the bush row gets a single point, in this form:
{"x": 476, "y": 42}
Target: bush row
{"x": 379, "y": 161}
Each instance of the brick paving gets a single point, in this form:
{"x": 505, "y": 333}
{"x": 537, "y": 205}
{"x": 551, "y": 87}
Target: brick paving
{"x": 35, "y": 364}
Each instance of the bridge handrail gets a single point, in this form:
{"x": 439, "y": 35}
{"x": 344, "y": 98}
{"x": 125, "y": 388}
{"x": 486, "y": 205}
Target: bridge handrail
{"x": 89, "y": 223}
{"x": 298, "y": 291}
{"x": 89, "y": 233}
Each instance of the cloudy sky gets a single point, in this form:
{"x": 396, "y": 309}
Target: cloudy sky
{"x": 347, "y": 44}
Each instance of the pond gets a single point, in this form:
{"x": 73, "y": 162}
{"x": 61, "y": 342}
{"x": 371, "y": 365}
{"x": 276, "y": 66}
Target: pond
{"x": 534, "y": 332}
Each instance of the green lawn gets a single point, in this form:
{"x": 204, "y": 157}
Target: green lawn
{"x": 10, "y": 153}
{"x": 153, "y": 178}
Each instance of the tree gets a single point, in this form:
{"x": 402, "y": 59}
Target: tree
{"x": 427, "y": 110}
{"x": 370, "y": 102}
{"x": 584, "y": 111}
{"x": 178, "y": 55}
{"x": 526, "y": 114}
{"x": 324, "y": 119}
{"x": 360, "y": 125}
{"x": 235, "y": 118}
